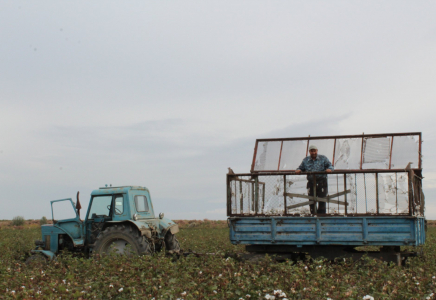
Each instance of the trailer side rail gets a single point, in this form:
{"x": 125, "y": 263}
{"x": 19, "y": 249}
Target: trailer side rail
{"x": 350, "y": 193}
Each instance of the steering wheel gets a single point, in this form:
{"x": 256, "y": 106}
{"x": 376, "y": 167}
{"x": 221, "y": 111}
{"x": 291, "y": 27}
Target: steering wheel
{"x": 117, "y": 210}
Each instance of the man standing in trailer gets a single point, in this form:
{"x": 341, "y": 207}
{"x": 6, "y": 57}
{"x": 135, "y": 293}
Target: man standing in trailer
{"x": 316, "y": 163}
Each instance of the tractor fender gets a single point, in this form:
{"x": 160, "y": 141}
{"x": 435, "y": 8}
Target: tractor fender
{"x": 143, "y": 227}
{"x": 165, "y": 225}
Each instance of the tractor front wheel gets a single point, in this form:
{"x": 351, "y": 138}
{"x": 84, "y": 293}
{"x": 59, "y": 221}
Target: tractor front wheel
{"x": 171, "y": 242}
{"x": 36, "y": 260}
{"x": 121, "y": 239}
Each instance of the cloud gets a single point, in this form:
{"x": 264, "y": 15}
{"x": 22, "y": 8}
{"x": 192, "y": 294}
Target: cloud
{"x": 172, "y": 101}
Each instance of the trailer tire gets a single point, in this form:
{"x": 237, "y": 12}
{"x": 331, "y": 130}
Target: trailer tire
{"x": 171, "y": 242}
{"x": 121, "y": 239}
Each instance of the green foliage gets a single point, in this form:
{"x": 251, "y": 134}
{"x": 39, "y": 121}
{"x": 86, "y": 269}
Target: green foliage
{"x": 17, "y": 221}
{"x": 207, "y": 276}
{"x": 43, "y": 221}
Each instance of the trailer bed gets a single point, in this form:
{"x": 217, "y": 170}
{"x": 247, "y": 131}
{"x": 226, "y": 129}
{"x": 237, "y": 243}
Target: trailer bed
{"x": 350, "y": 231}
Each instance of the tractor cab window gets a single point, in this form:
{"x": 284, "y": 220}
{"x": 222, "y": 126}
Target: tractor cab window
{"x": 141, "y": 203}
{"x": 119, "y": 205}
{"x": 101, "y": 207}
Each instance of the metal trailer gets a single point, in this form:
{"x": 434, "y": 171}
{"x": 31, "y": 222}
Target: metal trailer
{"x": 374, "y": 198}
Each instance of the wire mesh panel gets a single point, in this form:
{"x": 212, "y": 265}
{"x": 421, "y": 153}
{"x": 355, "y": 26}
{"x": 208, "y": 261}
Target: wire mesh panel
{"x": 393, "y": 193}
{"x": 348, "y": 153}
{"x": 272, "y": 198}
{"x": 370, "y": 183}
{"x": 267, "y": 156}
{"x": 366, "y": 193}
{"x": 351, "y": 184}
{"x": 418, "y": 195}
{"x": 296, "y": 185}
{"x": 338, "y": 196}
{"x": 402, "y": 186}
{"x": 352, "y": 152}
{"x": 242, "y": 195}
{"x": 347, "y": 193}
{"x": 376, "y": 153}
{"x": 292, "y": 154}
{"x": 404, "y": 149}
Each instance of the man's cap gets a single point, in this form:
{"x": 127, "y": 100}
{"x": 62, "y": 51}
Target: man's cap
{"x": 312, "y": 147}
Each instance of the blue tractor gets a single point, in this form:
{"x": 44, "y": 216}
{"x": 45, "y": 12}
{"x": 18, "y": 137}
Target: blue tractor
{"x": 119, "y": 219}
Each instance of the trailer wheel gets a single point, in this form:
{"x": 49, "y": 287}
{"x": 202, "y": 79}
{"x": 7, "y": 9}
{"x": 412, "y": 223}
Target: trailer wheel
{"x": 121, "y": 239}
{"x": 171, "y": 242}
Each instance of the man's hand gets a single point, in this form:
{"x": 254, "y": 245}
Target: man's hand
{"x": 328, "y": 171}
{"x": 298, "y": 172}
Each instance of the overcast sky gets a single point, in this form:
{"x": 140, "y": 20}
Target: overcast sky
{"x": 168, "y": 94}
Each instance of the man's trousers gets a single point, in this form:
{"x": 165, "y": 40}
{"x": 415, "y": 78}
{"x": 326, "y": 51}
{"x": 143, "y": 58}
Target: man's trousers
{"x": 321, "y": 191}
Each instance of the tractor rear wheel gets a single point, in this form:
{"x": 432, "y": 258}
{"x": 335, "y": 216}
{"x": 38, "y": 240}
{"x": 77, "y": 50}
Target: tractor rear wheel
{"x": 121, "y": 239}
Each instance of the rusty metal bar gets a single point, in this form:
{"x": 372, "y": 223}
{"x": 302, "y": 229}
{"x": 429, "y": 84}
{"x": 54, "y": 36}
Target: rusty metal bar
{"x": 366, "y": 199}
{"x": 410, "y": 192}
{"x": 305, "y": 215}
{"x": 396, "y": 193}
{"x": 337, "y": 188}
{"x": 361, "y": 154}
{"x": 416, "y": 194}
{"x": 244, "y": 180}
{"x": 301, "y": 204}
{"x": 326, "y": 199}
{"x": 376, "y": 191}
{"x": 342, "y": 171}
{"x": 236, "y": 199}
{"x": 334, "y": 153}
{"x": 421, "y": 195}
{"x": 252, "y": 192}
{"x": 280, "y": 157}
{"x": 307, "y": 147}
{"x": 275, "y": 172}
{"x": 314, "y": 194}
{"x": 345, "y": 196}
{"x": 229, "y": 196}
{"x": 253, "y": 205}
{"x": 340, "y": 136}
{"x": 241, "y": 197}
{"x": 254, "y": 156}
{"x": 420, "y": 160}
{"x": 256, "y": 193}
{"x": 390, "y": 155}
{"x": 284, "y": 194}
{"x": 263, "y": 197}
{"x": 355, "y": 184}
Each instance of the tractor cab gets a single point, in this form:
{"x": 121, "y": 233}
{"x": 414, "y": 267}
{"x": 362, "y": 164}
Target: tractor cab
{"x": 109, "y": 205}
